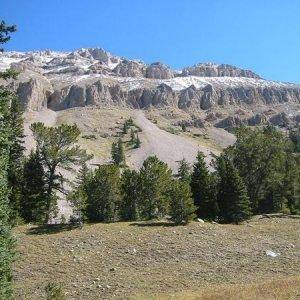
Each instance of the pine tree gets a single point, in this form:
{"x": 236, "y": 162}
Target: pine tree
{"x": 130, "y": 189}
{"x": 78, "y": 196}
{"x": 103, "y": 194}
{"x": 6, "y": 241}
{"x": 181, "y": 203}
{"x": 184, "y": 171}
{"x": 233, "y": 199}
{"x": 117, "y": 153}
{"x": 57, "y": 148}
{"x": 114, "y": 152}
{"x": 263, "y": 157}
{"x": 33, "y": 206}
{"x": 15, "y": 169}
{"x": 125, "y": 128}
{"x": 132, "y": 136}
{"x": 121, "y": 153}
{"x": 155, "y": 181}
{"x": 130, "y": 122}
{"x": 137, "y": 141}
{"x": 203, "y": 189}
{"x": 183, "y": 126}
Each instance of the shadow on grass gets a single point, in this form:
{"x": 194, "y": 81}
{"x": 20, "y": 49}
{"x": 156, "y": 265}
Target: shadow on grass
{"x": 51, "y": 228}
{"x": 153, "y": 224}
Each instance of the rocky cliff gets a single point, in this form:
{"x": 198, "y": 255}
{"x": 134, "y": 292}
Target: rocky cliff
{"x": 61, "y": 80}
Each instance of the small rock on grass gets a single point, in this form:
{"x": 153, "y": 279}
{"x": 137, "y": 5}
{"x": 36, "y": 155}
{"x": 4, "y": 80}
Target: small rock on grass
{"x": 200, "y": 220}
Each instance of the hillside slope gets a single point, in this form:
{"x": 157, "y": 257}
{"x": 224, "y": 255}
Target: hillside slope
{"x": 168, "y": 147}
{"x": 105, "y": 126}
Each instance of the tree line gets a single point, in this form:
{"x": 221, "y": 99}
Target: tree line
{"x": 258, "y": 174}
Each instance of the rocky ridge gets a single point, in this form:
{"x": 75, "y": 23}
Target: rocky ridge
{"x": 61, "y": 80}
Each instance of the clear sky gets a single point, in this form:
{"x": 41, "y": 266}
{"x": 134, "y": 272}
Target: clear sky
{"x": 263, "y": 36}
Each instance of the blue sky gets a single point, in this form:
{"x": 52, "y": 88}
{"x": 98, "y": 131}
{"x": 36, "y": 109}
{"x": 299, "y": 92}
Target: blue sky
{"x": 263, "y": 36}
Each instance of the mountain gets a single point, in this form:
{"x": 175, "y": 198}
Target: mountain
{"x": 222, "y": 95}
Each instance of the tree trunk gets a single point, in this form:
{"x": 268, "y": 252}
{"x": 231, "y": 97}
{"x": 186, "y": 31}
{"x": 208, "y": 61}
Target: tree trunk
{"x": 49, "y": 193}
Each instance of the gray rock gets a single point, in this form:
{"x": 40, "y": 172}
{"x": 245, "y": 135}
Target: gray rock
{"x": 128, "y": 68}
{"x": 34, "y": 93}
{"x": 258, "y": 119}
{"x": 66, "y": 80}
{"x": 280, "y": 120}
{"x": 158, "y": 70}
{"x": 230, "y": 122}
{"x": 215, "y": 70}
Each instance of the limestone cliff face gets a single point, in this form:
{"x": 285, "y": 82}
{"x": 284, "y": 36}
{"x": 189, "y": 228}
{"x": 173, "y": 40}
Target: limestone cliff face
{"x": 59, "y": 80}
{"x": 34, "y": 91}
{"x": 203, "y": 98}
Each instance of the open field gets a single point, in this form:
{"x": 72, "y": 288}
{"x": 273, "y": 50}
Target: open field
{"x": 160, "y": 261}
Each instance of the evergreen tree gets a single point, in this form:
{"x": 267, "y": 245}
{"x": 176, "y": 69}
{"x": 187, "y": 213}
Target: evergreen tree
{"x": 130, "y": 122}
{"x": 264, "y": 158}
{"x": 117, "y": 153}
{"x": 6, "y": 241}
{"x": 132, "y": 136}
{"x": 181, "y": 203}
{"x": 78, "y": 196}
{"x": 183, "y": 126}
{"x": 137, "y": 141}
{"x": 57, "y": 148}
{"x": 130, "y": 188}
{"x": 114, "y": 152}
{"x": 233, "y": 200}
{"x": 33, "y": 206}
{"x": 125, "y": 128}
{"x": 184, "y": 171}
{"x": 121, "y": 152}
{"x": 155, "y": 182}
{"x": 103, "y": 194}
{"x": 203, "y": 189}
{"x": 15, "y": 168}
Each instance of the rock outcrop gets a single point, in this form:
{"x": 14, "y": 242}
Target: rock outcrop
{"x": 33, "y": 90}
{"x": 128, "y": 68}
{"x": 160, "y": 95}
{"x": 214, "y": 70}
{"x": 258, "y": 119}
{"x": 227, "y": 95}
{"x": 158, "y": 70}
{"x": 231, "y": 122}
{"x": 280, "y": 120}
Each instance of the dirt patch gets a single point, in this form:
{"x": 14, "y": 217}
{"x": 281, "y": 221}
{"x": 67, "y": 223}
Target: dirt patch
{"x": 168, "y": 147}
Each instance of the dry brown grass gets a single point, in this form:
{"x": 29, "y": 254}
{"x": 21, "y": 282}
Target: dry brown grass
{"x": 126, "y": 260}
{"x": 104, "y": 124}
{"x": 215, "y": 139}
{"x": 288, "y": 288}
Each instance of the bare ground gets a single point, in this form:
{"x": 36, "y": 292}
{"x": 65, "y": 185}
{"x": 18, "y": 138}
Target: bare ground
{"x": 46, "y": 116}
{"x": 168, "y": 147}
{"x": 159, "y": 261}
